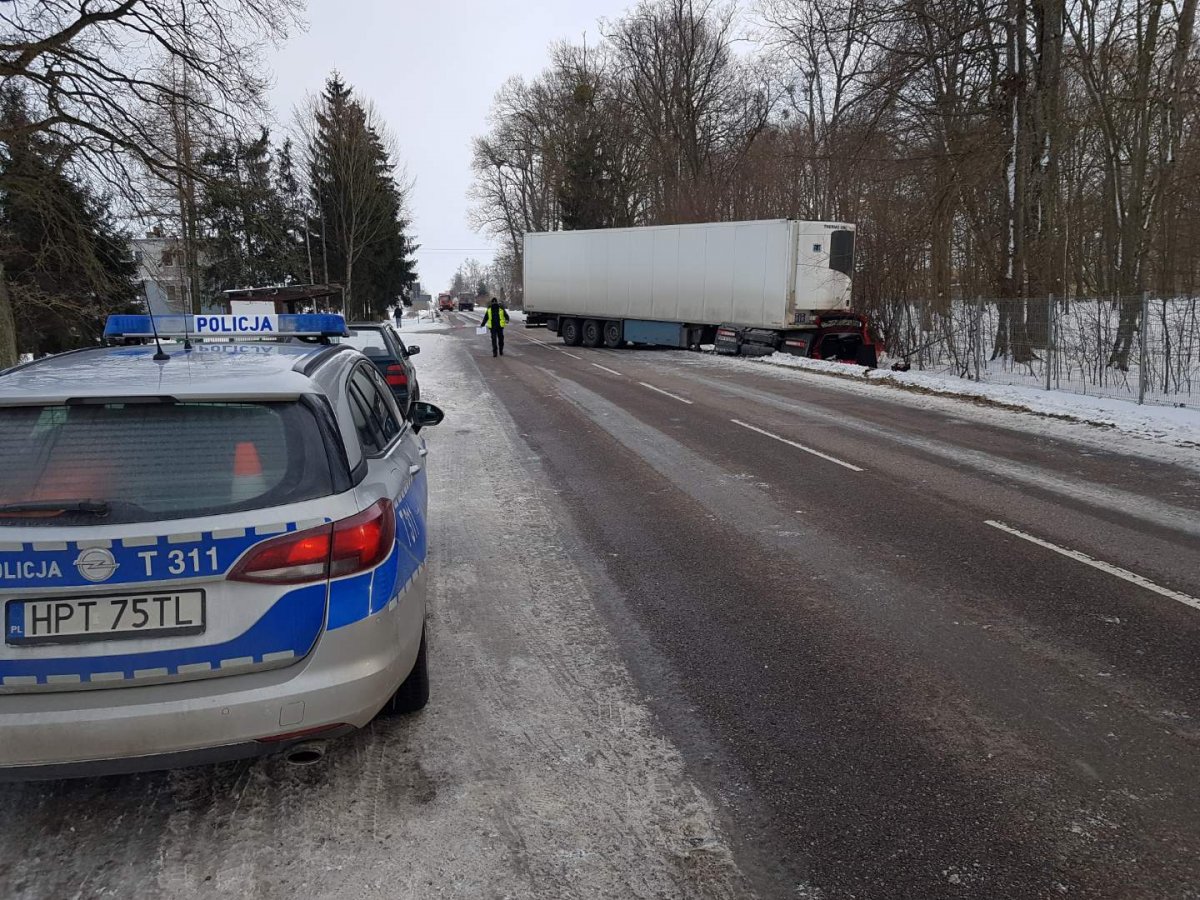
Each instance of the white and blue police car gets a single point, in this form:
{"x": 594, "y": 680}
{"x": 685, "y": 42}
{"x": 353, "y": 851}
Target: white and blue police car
{"x": 209, "y": 549}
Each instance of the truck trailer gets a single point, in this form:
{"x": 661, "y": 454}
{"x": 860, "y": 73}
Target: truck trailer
{"x": 746, "y": 287}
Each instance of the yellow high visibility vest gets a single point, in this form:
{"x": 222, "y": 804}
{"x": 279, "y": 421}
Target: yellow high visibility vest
{"x": 487, "y": 319}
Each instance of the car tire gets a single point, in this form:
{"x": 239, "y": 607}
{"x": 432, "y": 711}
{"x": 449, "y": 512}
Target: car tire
{"x": 612, "y": 335}
{"x": 593, "y": 334}
{"x": 570, "y": 332}
{"x": 413, "y": 694}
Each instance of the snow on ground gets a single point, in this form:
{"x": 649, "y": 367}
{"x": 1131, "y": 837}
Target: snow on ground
{"x": 428, "y": 322}
{"x": 1179, "y": 426}
{"x": 537, "y": 770}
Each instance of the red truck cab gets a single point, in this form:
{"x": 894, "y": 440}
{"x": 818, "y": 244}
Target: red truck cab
{"x": 838, "y": 335}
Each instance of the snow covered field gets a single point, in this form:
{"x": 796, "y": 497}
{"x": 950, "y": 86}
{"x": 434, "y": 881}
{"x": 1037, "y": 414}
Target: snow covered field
{"x": 962, "y": 342}
{"x": 1177, "y": 426}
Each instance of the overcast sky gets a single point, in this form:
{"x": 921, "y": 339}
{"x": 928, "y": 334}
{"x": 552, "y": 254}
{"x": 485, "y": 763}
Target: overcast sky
{"x": 432, "y": 68}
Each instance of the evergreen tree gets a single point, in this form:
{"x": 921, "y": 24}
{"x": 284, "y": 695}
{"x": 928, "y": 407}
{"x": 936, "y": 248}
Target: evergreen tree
{"x": 359, "y": 219}
{"x": 295, "y": 252}
{"x": 68, "y": 264}
{"x": 250, "y": 216}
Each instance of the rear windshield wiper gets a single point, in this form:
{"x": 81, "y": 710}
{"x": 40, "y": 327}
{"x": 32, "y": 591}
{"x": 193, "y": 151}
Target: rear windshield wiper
{"x": 91, "y": 507}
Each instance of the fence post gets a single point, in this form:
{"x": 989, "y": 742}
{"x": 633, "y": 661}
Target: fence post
{"x": 1049, "y": 337}
{"x": 1144, "y": 355}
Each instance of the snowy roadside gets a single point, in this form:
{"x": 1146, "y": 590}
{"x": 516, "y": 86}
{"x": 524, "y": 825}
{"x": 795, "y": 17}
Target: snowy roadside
{"x": 422, "y": 323}
{"x": 1177, "y": 426}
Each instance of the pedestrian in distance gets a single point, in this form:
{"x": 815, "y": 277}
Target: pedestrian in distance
{"x": 494, "y": 321}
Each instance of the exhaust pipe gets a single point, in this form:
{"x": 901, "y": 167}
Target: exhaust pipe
{"x": 306, "y": 753}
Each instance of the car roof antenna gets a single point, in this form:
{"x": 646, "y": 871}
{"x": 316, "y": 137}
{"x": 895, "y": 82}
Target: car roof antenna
{"x": 187, "y": 337}
{"x": 159, "y": 356}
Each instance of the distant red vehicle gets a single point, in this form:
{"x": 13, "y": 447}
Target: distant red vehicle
{"x": 446, "y": 302}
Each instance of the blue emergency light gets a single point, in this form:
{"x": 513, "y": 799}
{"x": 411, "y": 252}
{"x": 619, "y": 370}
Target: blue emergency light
{"x": 238, "y": 325}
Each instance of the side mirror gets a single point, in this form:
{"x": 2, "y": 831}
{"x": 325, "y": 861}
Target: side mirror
{"x": 413, "y": 350}
{"x": 422, "y": 414}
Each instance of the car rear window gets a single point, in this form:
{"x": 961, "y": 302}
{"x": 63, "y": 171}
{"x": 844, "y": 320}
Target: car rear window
{"x": 154, "y": 461}
{"x": 369, "y": 342}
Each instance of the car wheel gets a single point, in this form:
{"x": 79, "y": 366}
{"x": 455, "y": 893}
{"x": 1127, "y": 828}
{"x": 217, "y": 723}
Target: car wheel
{"x": 571, "y": 333}
{"x": 593, "y": 336}
{"x": 612, "y": 335}
{"x": 413, "y": 694}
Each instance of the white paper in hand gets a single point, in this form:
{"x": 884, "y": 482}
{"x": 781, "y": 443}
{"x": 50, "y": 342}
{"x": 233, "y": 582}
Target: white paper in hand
{"x": 480, "y": 330}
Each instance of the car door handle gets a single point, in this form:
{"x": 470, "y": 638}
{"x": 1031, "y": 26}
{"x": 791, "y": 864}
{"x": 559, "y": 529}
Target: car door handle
{"x": 424, "y": 451}
{"x": 413, "y": 470}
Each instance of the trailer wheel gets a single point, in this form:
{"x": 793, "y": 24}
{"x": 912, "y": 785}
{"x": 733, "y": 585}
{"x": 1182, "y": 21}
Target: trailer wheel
{"x": 570, "y": 332}
{"x": 593, "y": 335}
{"x": 612, "y": 335}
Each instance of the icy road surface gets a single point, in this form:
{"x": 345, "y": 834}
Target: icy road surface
{"x": 917, "y": 647}
{"x": 536, "y": 771}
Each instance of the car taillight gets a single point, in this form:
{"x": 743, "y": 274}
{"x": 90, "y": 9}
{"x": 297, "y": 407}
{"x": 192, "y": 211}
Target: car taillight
{"x": 396, "y": 376}
{"x": 363, "y": 541}
{"x": 352, "y": 545}
{"x": 291, "y": 559}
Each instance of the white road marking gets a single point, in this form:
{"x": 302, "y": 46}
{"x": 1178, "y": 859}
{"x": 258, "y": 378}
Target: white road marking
{"x": 825, "y": 456}
{"x": 608, "y": 370}
{"x": 661, "y": 391}
{"x": 552, "y": 347}
{"x": 1108, "y": 568}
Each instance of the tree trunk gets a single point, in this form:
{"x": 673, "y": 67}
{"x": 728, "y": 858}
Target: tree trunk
{"x": 8, "y": 325}
{"x": 1042, "y": 222}
{"x": 1139, "y": 203}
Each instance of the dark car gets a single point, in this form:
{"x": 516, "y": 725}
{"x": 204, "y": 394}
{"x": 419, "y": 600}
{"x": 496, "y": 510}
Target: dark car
{"x": 381, "y": 344}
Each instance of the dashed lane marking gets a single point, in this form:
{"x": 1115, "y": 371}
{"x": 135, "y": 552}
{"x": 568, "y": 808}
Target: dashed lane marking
{"x": 783, "y": 440}
{"x": 1107, "y": 568}
{"x": 608, "y": 370}
{"x": 667, "y": 393}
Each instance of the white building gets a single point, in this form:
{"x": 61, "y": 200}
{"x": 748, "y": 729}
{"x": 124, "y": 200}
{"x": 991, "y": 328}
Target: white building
{"x": 161, "y": 273}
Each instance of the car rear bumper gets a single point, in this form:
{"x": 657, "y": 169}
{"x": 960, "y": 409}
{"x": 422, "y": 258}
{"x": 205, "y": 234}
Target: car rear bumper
{"x": 340, "y": 686}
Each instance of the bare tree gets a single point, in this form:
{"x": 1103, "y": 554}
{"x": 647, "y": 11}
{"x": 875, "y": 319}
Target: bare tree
{"x": 698, "y": 111}
{"x": 89, "y": 69}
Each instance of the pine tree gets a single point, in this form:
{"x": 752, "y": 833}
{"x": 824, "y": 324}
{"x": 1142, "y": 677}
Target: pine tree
{"x": 68, "y": 264}
{"x": 295, "y": 250}
{"x": 358, "y": 206}
{"x": 250, "y": 215}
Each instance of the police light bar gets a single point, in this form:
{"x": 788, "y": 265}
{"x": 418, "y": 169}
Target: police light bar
{"x": 226, "y": 326}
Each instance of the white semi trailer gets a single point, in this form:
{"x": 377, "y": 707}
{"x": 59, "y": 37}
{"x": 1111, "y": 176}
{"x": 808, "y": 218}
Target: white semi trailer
{"x": 747, "y": 287}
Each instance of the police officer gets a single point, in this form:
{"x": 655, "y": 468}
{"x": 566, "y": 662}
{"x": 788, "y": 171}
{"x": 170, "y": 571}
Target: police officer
{"x": 494, "y": 321}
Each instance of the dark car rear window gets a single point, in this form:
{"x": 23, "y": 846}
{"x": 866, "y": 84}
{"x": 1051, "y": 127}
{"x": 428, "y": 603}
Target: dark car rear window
{"x": 370, "y": 342}
{"x": 153, "y": 461}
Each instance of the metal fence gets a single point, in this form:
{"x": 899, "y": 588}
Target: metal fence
{"x": 1144, "y": 348}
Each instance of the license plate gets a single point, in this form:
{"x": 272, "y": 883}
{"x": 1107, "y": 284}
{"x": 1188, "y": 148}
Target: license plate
{"x": 70, "y": 619}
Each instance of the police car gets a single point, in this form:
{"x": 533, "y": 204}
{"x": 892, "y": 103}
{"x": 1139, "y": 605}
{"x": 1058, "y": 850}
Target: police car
{"x": 209, "y": 549}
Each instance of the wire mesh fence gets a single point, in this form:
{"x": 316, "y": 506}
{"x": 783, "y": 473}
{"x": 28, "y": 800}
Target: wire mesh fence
{"x": 1142, "y": 348}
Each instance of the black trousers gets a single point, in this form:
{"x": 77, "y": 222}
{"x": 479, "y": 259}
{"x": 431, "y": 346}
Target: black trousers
{"x": 497, "y": 340}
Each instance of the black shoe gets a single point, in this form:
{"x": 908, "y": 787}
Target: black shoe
{"x": 493, "y": 356}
